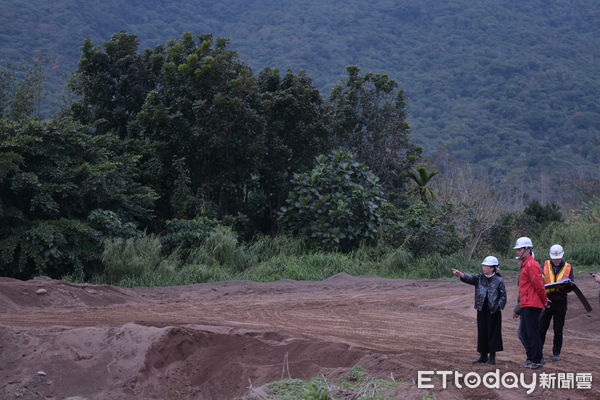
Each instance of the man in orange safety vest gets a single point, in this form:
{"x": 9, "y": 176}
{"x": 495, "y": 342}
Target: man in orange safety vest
{"x": 555, "y": 270}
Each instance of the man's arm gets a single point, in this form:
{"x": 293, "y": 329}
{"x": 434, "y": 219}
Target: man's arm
{"x": 536, "y": 280}
{"x": 571, "y": 274}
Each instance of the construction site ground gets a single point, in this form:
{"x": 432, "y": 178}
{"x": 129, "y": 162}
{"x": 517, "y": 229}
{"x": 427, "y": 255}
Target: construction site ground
{"x": 225, "y": 340}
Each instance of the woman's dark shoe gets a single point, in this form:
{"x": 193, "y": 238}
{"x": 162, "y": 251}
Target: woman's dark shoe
{"x": 482, "y": 359}
{"x": 492, "y": 359}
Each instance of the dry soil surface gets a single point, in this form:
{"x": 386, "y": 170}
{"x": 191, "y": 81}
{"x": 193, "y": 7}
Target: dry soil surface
{"x": 224, "y": 340}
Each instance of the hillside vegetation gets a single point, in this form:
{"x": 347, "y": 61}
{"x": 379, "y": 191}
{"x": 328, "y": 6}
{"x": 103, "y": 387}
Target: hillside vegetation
{"x": 511, "y": 86}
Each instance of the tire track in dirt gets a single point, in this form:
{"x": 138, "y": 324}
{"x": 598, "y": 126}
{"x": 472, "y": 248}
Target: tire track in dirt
{"x": 393, "y": 326}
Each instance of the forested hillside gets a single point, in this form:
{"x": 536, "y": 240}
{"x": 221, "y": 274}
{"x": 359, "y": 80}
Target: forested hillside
{"x": 178, "y": 163}
{"x": 509, "y": 85}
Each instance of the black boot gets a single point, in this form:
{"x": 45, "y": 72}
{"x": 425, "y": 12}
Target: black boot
{"x": 492, "y": 359}
{"x": 482, "y": 358}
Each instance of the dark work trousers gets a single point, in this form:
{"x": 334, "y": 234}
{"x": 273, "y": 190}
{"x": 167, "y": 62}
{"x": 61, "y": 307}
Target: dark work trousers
{"x": 531, "y": 333}
{"x": 489, "y": 330}
{"x": 521, "y": 332}
{"x": 557, "y": 312}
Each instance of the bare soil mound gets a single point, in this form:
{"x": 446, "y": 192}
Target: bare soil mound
{"x": 135, "y": 361}
{"x": 221, "y": 340}
{"x": 42, "y": 292}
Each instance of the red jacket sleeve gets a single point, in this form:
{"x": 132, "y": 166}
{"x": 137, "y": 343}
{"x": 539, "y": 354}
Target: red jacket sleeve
{"x": 537, "y": 282}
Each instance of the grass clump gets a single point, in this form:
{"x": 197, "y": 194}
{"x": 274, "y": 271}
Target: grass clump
{"x": 141, "y": 262}
{"x": 222, "y": 249}
{"x": 186, "y": 275}
{"x": 357, "y": 384}
{"x": 267, "y": 247}
{"x": 315, "y": 266}
{"x": 131, "y": 257}
{"x": 435, "y": 266}
{"x": 356, "y": 374}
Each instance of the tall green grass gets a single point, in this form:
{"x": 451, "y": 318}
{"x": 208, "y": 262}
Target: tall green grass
{"x": 267, "y": 247}
{"x": 131, "y": 257}
{"x": 580, "y": 239}
{"x": 221, "y": 249}
{"x": 184, "y": 275}
{"x": 315, "y": 266}
{"x": 142, "y": 262}
{"x": 395, "y": 263}
{"x": 435, "y": 266}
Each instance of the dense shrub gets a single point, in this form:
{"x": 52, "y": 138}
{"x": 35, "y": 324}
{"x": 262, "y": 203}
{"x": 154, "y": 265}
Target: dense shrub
{"x": 540, "y": 215}
{"x": 110, "y": 224}
{"x": 221, "y": 249}
{"x": 398, "y": 260}
{"x": 421, "y": 228}
{"x": 501, "y": 237}
{"x": 63, "y": 188}
{"x": 53, "y": 248}
{"x": 336, "y": 204}
{"x": 186, "y": 234}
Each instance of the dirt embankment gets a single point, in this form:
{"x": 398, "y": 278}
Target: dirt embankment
{"x": 212, "y": 341}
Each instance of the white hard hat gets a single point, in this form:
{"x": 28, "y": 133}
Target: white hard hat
{"x": 490, "y": 261}
{"x": 556, "y": 252}
{"x": 523, "y": 242}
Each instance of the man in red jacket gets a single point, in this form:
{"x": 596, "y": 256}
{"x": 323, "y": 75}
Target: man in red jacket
{"x": 532, "y": 297}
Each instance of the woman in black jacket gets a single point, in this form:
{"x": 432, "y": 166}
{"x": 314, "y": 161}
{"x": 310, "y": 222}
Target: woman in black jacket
{"x": 490, "y": 299}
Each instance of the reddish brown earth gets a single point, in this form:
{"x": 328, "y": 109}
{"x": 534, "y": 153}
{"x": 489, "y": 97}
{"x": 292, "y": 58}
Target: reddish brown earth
{"x": 224, "y": 340}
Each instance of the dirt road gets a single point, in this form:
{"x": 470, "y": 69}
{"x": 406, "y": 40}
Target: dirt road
{"x": 214, "y": 341}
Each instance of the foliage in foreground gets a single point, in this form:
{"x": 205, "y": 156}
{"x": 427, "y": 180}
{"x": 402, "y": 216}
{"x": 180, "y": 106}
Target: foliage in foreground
{"x": 356, "y": 385}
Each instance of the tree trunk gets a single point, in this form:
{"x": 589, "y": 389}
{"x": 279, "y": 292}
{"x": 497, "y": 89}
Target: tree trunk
{"x": 474, "y": 243}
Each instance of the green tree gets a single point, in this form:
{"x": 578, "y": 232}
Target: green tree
{"x": 113, "y": 81}
{"x": 6, "y": 84}
{"x": 206, "y": 111}
{"x": 182, "y": 198}
{"x": 55, "y": 180}
{"x": 543, "y": 215}
{"x": 370, "y": 121}
{"x": 421, "y": 177}
{"x": 23, "y": 98}
{"x": 296, "y": 130}
{"x": 336, "y": 204}
{"x": 422, "y": 228}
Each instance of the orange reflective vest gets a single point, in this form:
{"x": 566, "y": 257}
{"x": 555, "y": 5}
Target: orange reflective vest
{"x": 550, "y": 277}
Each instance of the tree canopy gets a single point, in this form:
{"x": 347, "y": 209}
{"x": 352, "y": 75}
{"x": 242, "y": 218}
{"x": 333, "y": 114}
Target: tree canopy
{"x": 182, "y": 137}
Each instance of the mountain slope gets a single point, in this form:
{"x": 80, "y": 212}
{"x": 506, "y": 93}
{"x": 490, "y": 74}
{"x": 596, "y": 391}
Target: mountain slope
{"x": 508, "y": 85}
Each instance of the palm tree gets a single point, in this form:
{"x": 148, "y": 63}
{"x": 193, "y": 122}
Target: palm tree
{"x": 422, "y": 177}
